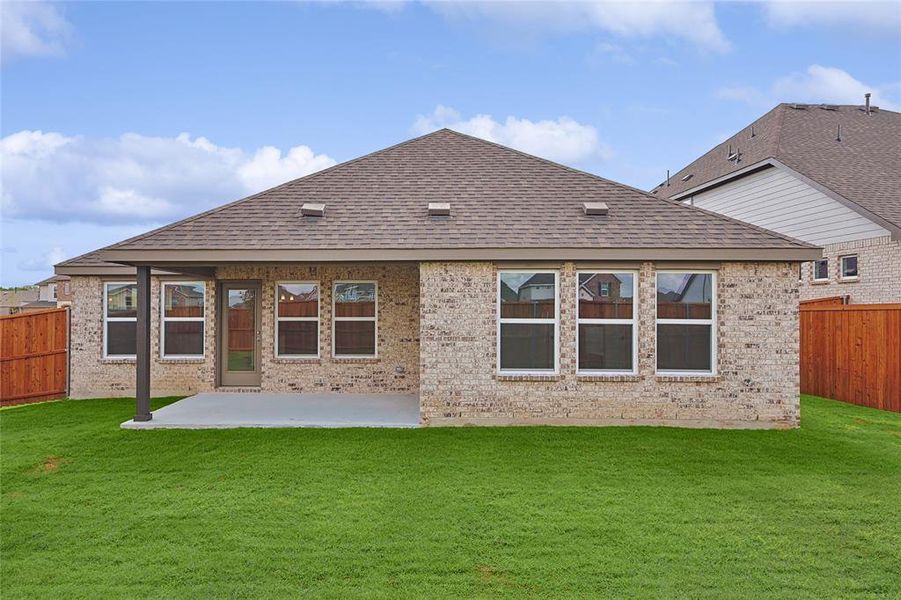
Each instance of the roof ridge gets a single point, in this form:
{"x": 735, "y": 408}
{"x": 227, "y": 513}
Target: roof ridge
{"x": 217, "y": 209}
{"x": 646, "y": 195}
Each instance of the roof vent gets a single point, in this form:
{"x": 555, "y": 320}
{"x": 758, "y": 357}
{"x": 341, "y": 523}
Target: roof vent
{"x": 828, "y": 107}
{"x": 594, "y": 208}
{"x": 798, "y": 106}
{"x": 687, "y": 177}
{"x": 439, "y": 209}
{"x": 312, "y": 210}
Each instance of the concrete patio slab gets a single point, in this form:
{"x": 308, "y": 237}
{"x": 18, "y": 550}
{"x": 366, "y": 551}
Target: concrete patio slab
{"x": 226, "y": 410}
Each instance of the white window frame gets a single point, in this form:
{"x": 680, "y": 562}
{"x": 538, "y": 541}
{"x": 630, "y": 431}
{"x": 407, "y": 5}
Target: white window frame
{"x": 633, "y": 322}
{"x": 107, "y": 319}
{"x": 374, "y": 318}
{"x": 841, "y": 267}
{"x": 555, "y": 321}
{"x": 714, "y": 341}
{"x": 164, "y": 319}
{"x": 278, "y": 319}
{"x": 814, "y": 277}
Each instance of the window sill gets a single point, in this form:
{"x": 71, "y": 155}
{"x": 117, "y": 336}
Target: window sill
{"x": 356, "y": 360}
{"x": 300, "y": 360}
{"x": 819, "y": 282}
{"x": 527, "y": 377}
{"x": 181, "y": 361}
{"x": 608, "y": 377}
{"x": 849, "y": 280}
{"x": 689, "y": 378}
{"x": 118, "y": 361}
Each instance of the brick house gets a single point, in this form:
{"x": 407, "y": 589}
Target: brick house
{"x": 498, "y": 287}
{"x": 825, "y": 174}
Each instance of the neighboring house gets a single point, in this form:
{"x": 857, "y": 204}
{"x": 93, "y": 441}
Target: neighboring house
{"x": 828, "y": 175}
{"x": 13, "y": 301}
{"x": 56, "y": 290}
{"x": 462, "y": 272}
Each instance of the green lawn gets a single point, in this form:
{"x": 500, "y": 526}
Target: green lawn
{"x": 92, "y": 511}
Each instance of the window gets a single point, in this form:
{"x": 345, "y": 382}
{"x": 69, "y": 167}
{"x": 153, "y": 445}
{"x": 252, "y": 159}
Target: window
{"x": 297, "y": 319}
{"x": 686, "y": 315}
{"x": 607, "y": 332}
{"x": 120, "y": 319}
{"x": 528, "y": 313}
{"x": 849, "y": 267}
{"x": 821, "y": 270}
{"x": 181, "y": 332}
{"x": 53, "y": 295}
{"x": 355, "y": 319}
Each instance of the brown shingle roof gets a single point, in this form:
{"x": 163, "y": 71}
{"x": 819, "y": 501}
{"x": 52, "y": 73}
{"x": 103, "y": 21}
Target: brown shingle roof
{"x": 863, "y": 168}
{"x": 499, "y": 198}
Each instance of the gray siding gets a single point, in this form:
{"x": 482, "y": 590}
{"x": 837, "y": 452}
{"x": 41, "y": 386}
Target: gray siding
{"x": 781, "y": 202}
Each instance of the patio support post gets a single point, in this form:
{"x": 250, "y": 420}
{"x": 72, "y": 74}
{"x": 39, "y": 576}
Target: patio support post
{"x": 142, "y": 354}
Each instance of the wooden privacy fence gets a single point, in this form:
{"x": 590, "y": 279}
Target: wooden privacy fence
{"x": 34, "y": 361}
{"x": 852, "y": 352}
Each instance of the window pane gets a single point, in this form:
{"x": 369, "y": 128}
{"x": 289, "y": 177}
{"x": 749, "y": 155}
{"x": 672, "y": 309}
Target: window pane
{"x": 183, "y": 338}
{"x": 122, "y": 300}
{"x": 821, "y": 269}
{"x": 355, "y": 300}
{"x": 121, "y": 338}
{"x": 605, "y": 295}
{"x": 849, "y": 266}
{"x": 298, "y": 338}
{"x": 684, "y": 295}
{"x": 355, "y": 338}
{"x": 183, "y": 300}
{"x": 605, "y": 347}
{"x": 528, "y": 295}
{"x": 527, "y": 346}
{"x": 298, "y": 299}
{"x": 683, "y": 347}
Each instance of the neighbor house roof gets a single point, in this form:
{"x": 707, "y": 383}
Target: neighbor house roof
{"x": 859, "y": 165}
{"x": 504, "y": 204}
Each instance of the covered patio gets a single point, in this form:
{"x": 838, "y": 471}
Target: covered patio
{"x": 228, "y": 410}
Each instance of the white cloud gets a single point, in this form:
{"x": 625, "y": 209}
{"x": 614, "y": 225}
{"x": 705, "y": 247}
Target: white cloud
{"x": 859, "y": 14}
{"x": 691, "y": 21}
{"x": 135, "y": 178}
{"x": 817, "y": 84}
{"x": 562, "y": 140}
{"x": 44, "y": 261}
{"x": 33, "y": 28}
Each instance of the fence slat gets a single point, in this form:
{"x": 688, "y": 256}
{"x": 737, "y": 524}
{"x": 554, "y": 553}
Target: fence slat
{"x": 852, "y": 353}
{"x": 33, "y": 356}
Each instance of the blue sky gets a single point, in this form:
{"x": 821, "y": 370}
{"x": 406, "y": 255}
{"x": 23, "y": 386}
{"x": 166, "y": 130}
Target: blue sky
{"x": 118, "y": 117}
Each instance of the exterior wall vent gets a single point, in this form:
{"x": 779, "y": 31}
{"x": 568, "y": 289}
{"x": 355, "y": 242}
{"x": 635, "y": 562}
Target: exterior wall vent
{"x": 439, "y": 209}
{"x": 312, "y": 210}
{"x": 594, "y": 208}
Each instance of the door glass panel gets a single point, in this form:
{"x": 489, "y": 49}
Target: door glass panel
{"x": 241, "y": 329}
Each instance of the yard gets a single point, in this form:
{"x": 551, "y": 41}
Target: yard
{"x": 90, "y": 510}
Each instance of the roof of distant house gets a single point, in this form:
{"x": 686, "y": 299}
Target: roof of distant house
{"x": 852, "y": 154}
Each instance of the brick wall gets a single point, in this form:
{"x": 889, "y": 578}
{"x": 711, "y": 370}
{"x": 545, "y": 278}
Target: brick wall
{"x": 879, "y": 266}
{"x": 396, "y": 370}
{"x": 96, "y": 377}
{"x": 756, "y": 385}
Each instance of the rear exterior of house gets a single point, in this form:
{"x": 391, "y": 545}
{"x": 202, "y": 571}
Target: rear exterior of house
{"x": 825, "y": 174}
{"x": 541, "y": 295}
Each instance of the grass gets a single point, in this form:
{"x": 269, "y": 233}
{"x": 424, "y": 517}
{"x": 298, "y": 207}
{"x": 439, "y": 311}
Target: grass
{"x": 89, "y": 510}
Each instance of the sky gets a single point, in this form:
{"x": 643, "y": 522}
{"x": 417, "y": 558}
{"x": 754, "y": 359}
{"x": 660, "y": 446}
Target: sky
{"x": 123, "y": 116}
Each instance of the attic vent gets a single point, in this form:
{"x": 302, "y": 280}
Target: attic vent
{"x": 312, "y": 210}
{"x": 594, "y": 208}
{"x": 687, "y": 177}
{"x": 828, "y": 107}
{"x": 798, "y": 106}
{"x": 439, "y": 209}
